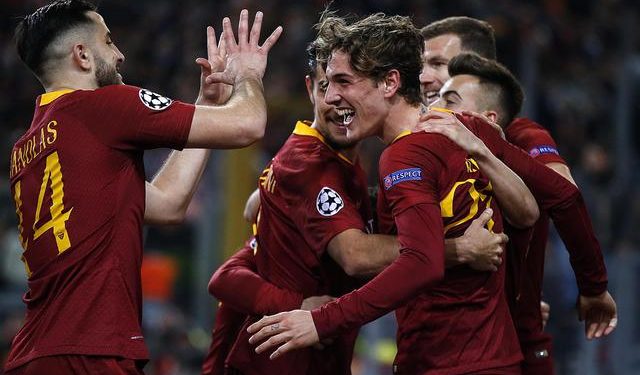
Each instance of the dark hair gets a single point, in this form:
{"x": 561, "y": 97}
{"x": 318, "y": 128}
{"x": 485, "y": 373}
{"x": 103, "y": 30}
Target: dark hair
{"x": 507, "y": 91}
{"x": 312, "y": 59}
{"x": 35, "y": 33}
{"x": 475, "y": 35}
{"x": 376, "y": 44}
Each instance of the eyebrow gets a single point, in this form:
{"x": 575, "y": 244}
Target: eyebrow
{"x": 451, "y": 92}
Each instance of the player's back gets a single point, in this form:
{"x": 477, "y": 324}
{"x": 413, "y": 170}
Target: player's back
{"x": 80, "y": 205}
{"x": 462, "y": 324}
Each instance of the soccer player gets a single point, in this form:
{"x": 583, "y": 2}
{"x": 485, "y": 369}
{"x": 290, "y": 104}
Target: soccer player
{"x": 455, "y": 322}
{"x": 444, "y": 40}
{"x": 77, "y": 177}
{"x": 238, "y": 286}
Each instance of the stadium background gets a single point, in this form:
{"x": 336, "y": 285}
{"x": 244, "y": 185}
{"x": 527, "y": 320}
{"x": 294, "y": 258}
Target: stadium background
{"x": 579, "y": 61}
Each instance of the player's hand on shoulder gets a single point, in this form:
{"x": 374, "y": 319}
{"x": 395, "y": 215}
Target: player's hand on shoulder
{"x": 599, "y": 314}
{"x": 246, "y": 59}
{"x": 445, "y": 122}
{"x": 284, "y": 332}
{"x": 484, "y": 118}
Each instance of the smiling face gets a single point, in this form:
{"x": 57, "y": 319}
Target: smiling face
{"x": 437, "y": 53}
{"x": 326, "y": 119}
{"x": 107, "y": 57}
{"x": 358, "y": 100}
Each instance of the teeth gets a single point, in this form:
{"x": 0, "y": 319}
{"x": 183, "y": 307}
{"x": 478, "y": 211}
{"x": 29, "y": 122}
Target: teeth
{"x": 347, "y": 115}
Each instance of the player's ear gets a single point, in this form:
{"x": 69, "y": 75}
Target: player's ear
{"x": 82, "y": 57}
{"x": 491, "y": 115}
{"x": 391, "y": 83}
{"x": 309, "y": 83}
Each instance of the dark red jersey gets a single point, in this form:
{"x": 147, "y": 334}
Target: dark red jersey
{"x": 77, "y": 177}
{"x": 420, "y": 266}
{"x": 241, "y": 291}
{"x": 527, "y": 247}
{"x": 309, "y": 193}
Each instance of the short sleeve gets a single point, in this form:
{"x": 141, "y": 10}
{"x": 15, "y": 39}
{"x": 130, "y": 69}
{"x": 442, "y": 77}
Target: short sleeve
{"x": 535, "y": 140}
{"x": 127, "y": 117}
{"x": 331, "y": 203}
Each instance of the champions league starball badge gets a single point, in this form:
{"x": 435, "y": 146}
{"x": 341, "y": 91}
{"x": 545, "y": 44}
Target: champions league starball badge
{"x": 154, "y": 101}
{"x": 329, "y": 202}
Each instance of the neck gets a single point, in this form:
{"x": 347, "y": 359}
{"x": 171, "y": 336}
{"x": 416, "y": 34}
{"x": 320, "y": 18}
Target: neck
{"x": 84, "y": 82}
{"x": 402, "y": 117}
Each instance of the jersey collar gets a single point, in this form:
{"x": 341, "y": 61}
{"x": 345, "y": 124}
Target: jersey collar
{"x": 304, "y": 128}
{"x": 49, "y": 97}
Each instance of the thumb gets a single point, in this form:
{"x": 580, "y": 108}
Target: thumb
{"x": 204, "y": 63}
{"x": 219, "y": 77}
{"x": 483, "y": 219}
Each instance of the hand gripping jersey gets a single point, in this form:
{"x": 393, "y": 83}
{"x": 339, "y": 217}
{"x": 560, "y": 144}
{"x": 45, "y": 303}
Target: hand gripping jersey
{"x": 77, "y": 178}
{"x": 309, "y": 193}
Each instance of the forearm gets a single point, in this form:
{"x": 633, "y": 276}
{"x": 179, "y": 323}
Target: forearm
{"x": 516, "y": 201}
{"x": 419, "y": 265}
{"x": 453, "y": 254}
{"x": 171, "y": 190}
{"x": 361, "y": 254}
{"x": 238, "y": 285}
{"x": 238, "y": 123}
{"x": 565, "y": 205}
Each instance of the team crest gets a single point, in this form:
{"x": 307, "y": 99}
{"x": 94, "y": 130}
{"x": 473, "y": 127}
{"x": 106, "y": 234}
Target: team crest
{"x": 329, "y": 202}
{"x": 154, "y": 101}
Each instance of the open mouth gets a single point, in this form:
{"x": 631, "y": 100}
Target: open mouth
{"x": 431, "y": 96}
{"x": 347, "y": 116}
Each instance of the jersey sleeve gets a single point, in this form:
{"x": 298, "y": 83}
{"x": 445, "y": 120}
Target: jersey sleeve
{"x": 419, "y": 265}
{"x": 410, "y": 188}
{"x": 127, "y": 118}
{"x": 535, "y": 140}
{"x": 327, "y": 207}
{"x": 564, "y": 204}
{"x": 237, "y": 284}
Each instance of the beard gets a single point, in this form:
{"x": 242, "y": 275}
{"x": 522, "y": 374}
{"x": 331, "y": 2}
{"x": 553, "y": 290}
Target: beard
{"x": 106, "y": 74}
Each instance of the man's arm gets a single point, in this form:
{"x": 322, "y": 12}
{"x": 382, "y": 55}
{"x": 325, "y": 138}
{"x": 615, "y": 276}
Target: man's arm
{"x": 516, "y": 201}
{"x": 237, "y": 284}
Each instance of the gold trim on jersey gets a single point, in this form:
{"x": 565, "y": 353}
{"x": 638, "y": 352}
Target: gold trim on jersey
{"x": 304, "y": 128}
{"x": 49, "y": 97}
{"x": 402, "y": 134}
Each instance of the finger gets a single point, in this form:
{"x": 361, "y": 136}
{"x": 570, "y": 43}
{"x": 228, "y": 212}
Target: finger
{"x": 229, "y": 37}
{"x": 503, "y": 238}
{"x": 219, "y": 77}
{"x": 273, "y": 342}
{"x": 287, "y": 347}
{"x": 254, "y": 36}
{"x": 483, "y": 219}
{"x": 613, "y": 323}
{"x": 204, "y": 63}
{"x": 476, "y": 114}
{"x": 271, "y": 40}
{"x": 600, "y": 328}
{"x": 212, "y": 48}
{"x": 591, "y": 329}
{"x": 222, "y": 47}
{"x": 243, "y": 27}
{"x": 264, "y": 322}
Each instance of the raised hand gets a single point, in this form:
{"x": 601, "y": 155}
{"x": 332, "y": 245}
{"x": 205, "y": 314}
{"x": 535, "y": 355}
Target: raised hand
{"x": 284, "y": 331}
{"x": 245, "y": 58}
{"x": 213, "y": 93}
{"x": 599, "y": 314}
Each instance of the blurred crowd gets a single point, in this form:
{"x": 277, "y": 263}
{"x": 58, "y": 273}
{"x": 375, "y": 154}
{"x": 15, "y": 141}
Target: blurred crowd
{"x": 579, "y": 61}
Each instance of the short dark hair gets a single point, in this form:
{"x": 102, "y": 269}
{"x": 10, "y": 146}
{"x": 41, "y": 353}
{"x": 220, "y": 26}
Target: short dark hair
{"x": 312, "y": 59}
{"x": 475, "y": 35}
{"x": 376, "y": 44}
{"x": 508, "y": 91}
{"x": 35, "y": 33}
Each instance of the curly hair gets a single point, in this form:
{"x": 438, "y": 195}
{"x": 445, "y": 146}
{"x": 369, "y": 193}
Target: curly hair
{"x": 375, "y": 44}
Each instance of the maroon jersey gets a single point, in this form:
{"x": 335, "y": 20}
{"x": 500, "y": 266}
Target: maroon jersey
{"x": 417, "y": 211}
{"x": 77, "y": 178}
{"x": 242, "y": 292}
{"x": 527, "y": 249}
{"x": 309, "y": 193}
